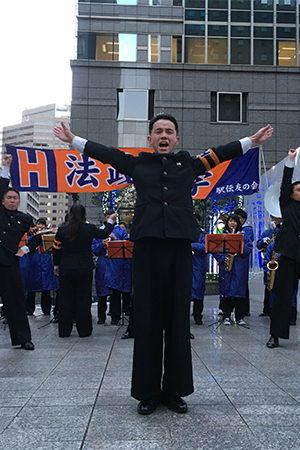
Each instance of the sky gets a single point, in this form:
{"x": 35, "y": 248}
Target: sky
{"x": 37, "y": 42}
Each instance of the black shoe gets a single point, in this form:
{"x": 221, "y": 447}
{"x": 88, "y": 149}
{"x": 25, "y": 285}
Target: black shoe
{"x": 127, "y": 335}
{"x": 272, "y": 342}
{"x": 27, "y": 346}
{"x": 263, "y": 315}
{"x": 147, "y": 406}
{"x": 192, "y": 336}
{"x": 293, "y": 322}
{"x": 115, "y": 322}
{"x": 247, "y": 314}
{"x": 55, "y": 319}
{"x": 176, "y": 404}
{"x": 101, "y": 321}
{"x": 198, "y": 321}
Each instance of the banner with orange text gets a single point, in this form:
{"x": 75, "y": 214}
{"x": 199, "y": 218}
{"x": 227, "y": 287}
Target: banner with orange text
{"x": 70, "y": 171}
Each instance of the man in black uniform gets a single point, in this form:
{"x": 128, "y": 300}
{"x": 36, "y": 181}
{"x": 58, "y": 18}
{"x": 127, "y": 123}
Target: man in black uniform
{"x": 287, "y": 243}
{"x": 13, "y": 225}
{"x": 162, "y": 230}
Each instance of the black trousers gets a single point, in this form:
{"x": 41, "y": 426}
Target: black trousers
{"x": 237, "y": 303}
{"x": 45, "y": 302}
{"x": 14, "y": 304}
{"x": 286, "y": 280}
{"x": 162, "y": 287}
{"x": 75, "y": 298}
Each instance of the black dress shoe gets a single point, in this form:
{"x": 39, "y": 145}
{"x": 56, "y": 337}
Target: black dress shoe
{"x": 27, "y": 346}
{"x": 272, "y": 342}
{"x": 263, "y": 315}
{"x": 192, "y": 336}
{"x": 198, "y": 321}
{"x": 101, "y": 321}
{"x": 115, "y": 321}
{"x": 147, "y": 406}
{"x": 127, "y": 335}
{"x": 176, "y": 404}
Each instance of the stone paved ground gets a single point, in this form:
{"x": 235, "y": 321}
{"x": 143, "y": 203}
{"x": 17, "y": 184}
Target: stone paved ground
{"x": 74, "y": 394}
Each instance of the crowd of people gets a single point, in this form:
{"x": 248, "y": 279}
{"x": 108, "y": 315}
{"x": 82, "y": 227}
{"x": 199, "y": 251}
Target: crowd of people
{"x": 166, "y": 273}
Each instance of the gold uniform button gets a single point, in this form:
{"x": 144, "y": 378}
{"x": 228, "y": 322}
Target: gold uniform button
{"x": 165, "y": 188}
{"x": 165, "y": 203}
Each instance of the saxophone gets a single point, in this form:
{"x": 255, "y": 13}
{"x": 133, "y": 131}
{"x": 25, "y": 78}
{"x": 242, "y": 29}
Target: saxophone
{"x": 228, "y": 262}
{"x": 272, "y": 266}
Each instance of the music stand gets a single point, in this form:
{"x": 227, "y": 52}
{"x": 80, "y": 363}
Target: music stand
{"x": 224, "y": 243}
{"x": 47, "y": 243}
{"x": 120, "y": 250}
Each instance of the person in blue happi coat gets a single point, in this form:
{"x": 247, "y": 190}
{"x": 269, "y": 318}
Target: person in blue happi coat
{"x": 199, "y": 273}
{"x": 112, "y": 275}
{"x": 269, "y": 255}
{"x": 233, "y": 282}
{"x": 40, "y": 277}
{"x": 262, "y": 243}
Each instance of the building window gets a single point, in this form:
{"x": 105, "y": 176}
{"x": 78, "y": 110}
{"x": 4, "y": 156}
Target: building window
{"x": 177, "y": 2}
{"x": 286, "y": 53}
{"x": 154, "y": 48}
{"x": 229, "y": 107}
{"x": 107, "y": 47}
{"x": 154, "y": 2}
{"x": 217, "y": 51}
{"x": 263, "y": 52}
{"x": 135, "y": 104}
{"x": 176, "y": 49}
{"x": 194, "y": 50}
{"x": 194, "y": 3}
{"x": 240, "y": 51}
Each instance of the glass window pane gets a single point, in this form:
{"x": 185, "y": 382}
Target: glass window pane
{"x": 263, "y": 17}
{"x": 154, "y": 48}
{"x": 217, "y": 51}
{"x": 286, "y": 17}
{"x": 240, "y": 16}
{"x": 126, "y": 48}
{"x": 217, "y": 30}
{"x": 240, "y": 51}
{"x": 176, "y": 49}
{"x": 263, "y": 52}
{"x": 286, "y": 32}
{"x": 219, "y": 4}
{"x": 177, "y": 2}
{"x": 266, "y": 32}
{"x": 240, "y": 31}
{"x": 263, "y": 4}
{"x": 229, "y": 107}
{"x": 195, "y": 3}
{"x": 286, "y": 53}
{"x": 194, "y": 50}
{"x": 104, "y": 47}
{"x": 194, "y": 30}
{"x": 286, "y": 5}
{"x": 217, "y": 16}
{"x": 240, "y": 4}
{"x": 135, "y": 105}
{"x": 195, "y": 14}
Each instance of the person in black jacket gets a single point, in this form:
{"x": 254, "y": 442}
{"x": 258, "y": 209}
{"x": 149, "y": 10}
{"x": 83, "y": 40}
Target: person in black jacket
{"x": 73, "y": 262}
{"x": 288, "y": 244}
{"x": 162, "y": 230}
{"x": 13, "y": 225}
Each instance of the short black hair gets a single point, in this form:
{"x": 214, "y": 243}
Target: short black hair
{"x": 293, "y": 185}
{"x": 11, "y": 189}
{"x": 109, "y": 212}
{"x": 241, "y": 212}
{"x": 163, "y": 116}
{"x": 42, "y": 221}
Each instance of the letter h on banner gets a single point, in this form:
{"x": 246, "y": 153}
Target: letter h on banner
{"x": 34, "y": 168}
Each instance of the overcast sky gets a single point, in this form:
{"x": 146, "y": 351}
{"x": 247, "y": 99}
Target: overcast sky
{"x": 37, "y": 42}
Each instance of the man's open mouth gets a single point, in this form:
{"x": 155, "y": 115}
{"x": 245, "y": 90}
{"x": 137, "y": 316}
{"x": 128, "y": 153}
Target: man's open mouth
{"x": 163, "y": 144}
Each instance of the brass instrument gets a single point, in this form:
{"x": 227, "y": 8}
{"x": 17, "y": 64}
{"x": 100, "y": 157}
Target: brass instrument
{"x": 228, "y": 262}
{"x": 272, "y": 266}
